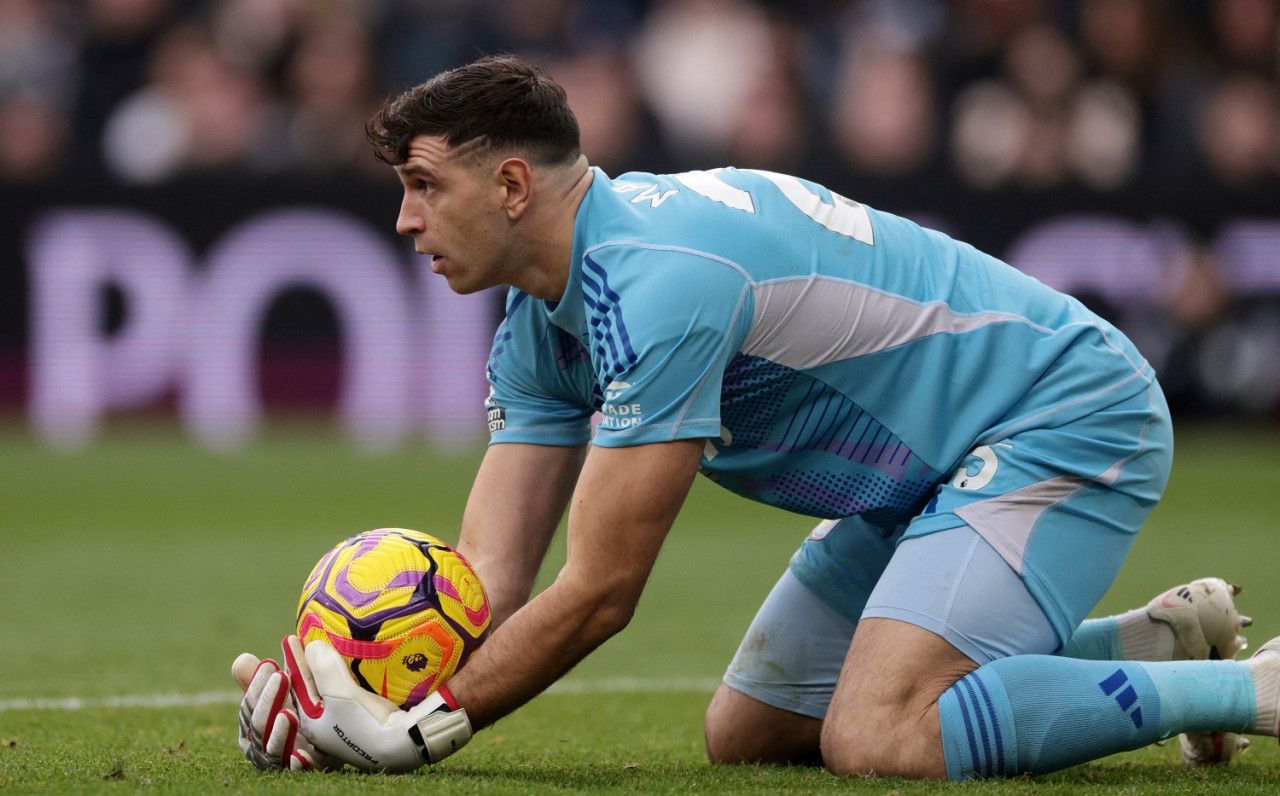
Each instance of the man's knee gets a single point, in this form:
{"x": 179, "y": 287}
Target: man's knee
{"x": 883, "y": 719}
{"x": 884, "y": 738}
{"x": 740, "y": 729}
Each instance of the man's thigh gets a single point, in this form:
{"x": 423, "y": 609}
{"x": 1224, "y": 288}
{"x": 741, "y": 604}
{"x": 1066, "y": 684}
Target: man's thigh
{"x": 791, "y": 654}
{"x": 776, "y": 690}
{"x": 951, "y": 583}
{"x": 946, "y": 603}
{"x": 955, "y": 585}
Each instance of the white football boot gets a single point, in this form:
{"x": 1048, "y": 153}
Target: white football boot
{"x": 1265, "y": 664}
{"x": 1202, "y": 613}
{"x": 1206, "y": 626}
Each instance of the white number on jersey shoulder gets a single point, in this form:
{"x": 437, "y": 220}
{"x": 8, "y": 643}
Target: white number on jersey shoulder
{"x": 845, "y": 217}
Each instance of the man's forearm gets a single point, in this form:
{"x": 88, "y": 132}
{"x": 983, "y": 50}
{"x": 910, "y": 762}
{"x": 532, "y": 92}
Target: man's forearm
{"x": 534, "y": 648}
{"x": 613, "y": 540}
{"x": 516, "y": 504}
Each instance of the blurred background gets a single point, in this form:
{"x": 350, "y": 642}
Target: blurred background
{"x": 191, "y": 222}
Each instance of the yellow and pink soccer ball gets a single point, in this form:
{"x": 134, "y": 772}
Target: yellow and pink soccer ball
{"x": 404, "y": 609}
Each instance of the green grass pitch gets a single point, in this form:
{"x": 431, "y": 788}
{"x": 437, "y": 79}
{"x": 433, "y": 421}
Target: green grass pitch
{"x": 132, "y": 574}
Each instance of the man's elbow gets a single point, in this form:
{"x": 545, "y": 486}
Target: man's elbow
{"x": 605, "y": 607}
{"x": 609, "y": 618}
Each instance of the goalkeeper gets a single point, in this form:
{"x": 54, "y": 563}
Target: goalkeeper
{"x": 981, "y": 449}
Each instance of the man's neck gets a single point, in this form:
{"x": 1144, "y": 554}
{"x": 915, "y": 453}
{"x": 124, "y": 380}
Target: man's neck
{"x": 551, "y": 252}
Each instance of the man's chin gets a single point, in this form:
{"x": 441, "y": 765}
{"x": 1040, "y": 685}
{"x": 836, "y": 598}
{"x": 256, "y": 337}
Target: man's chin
{"x": 462, "y": 286}
{"x": 460, "y": 281}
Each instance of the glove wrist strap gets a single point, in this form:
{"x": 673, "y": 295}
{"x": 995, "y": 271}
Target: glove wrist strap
{"x": 440, "y": 727}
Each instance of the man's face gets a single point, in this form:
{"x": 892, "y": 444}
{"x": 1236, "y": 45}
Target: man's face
{"x": 453, "y": 209}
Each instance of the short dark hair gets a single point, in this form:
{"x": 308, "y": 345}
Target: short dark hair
{"x": 499, "y": 102}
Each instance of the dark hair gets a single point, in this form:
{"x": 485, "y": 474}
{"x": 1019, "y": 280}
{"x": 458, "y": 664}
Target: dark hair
{"x": 499, "y": 102}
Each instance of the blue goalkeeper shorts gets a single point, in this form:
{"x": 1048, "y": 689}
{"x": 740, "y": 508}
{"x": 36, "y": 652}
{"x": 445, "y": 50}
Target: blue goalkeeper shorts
{"x": 951, "y": 582}
{"x": 1008, "y": 558}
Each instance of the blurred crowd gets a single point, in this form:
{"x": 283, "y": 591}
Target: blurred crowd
{"x": 1121, "y": 112}
{"x": 1102, "y": 94}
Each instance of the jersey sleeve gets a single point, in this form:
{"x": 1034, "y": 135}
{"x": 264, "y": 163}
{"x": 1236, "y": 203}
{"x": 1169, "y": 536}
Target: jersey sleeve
{"x": 539, "y": 380}
{"x": 664, "y": 325}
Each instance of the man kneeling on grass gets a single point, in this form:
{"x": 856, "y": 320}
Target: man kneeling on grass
{"x": 982, "y": 449}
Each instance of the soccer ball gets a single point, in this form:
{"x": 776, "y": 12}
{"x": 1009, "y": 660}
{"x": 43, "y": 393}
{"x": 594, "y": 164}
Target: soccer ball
{"x": 402, "y": 607}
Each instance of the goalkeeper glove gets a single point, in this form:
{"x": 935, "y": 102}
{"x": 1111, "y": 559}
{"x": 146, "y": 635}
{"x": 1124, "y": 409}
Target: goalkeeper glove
{"x": 268, "y": 729}
{"x": 362, "y": 728}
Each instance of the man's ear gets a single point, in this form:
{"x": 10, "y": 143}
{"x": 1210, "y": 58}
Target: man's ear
{"x": 515, "y": 176}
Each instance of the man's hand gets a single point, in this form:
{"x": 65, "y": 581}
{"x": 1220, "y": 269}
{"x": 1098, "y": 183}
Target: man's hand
{"x": 362, "y": 728}
{"x": 268, "y": 724}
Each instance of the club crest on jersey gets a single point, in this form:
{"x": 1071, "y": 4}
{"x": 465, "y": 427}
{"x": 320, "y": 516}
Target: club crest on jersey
{"x": 617, "y": 412}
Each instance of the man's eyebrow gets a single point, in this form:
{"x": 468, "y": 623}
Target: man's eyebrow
{"x": 416, "y": 171}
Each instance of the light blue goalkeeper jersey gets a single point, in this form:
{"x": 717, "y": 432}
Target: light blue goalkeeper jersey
{"x": 838, "y": 360}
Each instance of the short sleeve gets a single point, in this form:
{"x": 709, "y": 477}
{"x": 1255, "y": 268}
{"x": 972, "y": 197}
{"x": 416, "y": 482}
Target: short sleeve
{"x": 540, "y": 380}
{"x": 664, "y": 324}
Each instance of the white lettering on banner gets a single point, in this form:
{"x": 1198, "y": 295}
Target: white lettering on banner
{"x": 414, "y": 352}
{"x": 76, "y": 372}
{"x": 412, "y": 349}
{"x": 261, "y": 258}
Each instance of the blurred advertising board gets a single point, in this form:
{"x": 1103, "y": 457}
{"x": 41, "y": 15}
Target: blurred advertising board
{"x": 124, "y": 299}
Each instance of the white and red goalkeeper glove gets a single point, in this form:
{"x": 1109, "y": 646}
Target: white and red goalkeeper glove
{"x": 269, "y": 734}
{"x": 361, "y": 728}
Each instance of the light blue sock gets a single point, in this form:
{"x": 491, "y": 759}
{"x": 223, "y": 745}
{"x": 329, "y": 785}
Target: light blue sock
{"x": 1040, "y": 713}
{"x": 1094, "y": 640}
